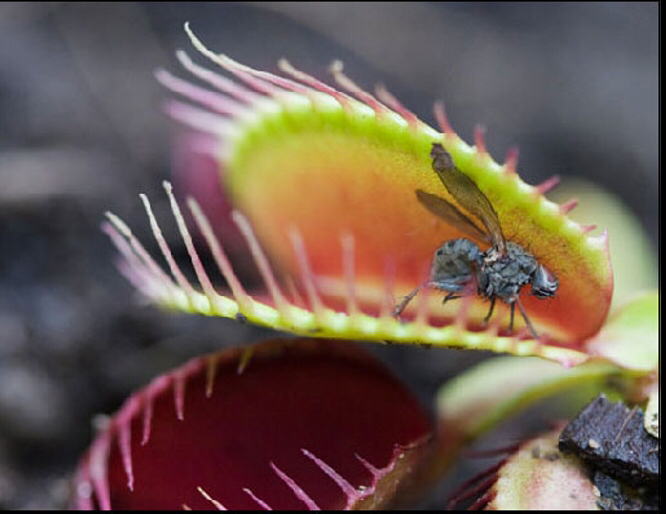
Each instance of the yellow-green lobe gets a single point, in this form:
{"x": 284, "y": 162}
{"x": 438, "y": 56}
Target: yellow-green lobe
{"x": 329, "y": 172}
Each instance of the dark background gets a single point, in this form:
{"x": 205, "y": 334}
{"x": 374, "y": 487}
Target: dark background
{"x": 81, "y": 131}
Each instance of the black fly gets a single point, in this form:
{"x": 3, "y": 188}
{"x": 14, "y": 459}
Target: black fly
{"x": 499, "y": 272}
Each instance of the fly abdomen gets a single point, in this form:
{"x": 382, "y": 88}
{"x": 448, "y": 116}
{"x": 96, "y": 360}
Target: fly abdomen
{"x": 454, "y": 265}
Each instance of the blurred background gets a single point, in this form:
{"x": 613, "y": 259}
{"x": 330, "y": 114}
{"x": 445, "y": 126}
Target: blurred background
{"x": 82, "y": 131}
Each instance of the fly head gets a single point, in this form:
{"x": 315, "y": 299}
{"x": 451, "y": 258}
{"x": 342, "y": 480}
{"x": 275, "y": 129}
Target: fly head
{"x": 544, "y": 283}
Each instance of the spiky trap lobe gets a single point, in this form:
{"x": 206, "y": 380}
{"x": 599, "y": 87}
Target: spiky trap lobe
{"x": 325, "y": 180}
{"x": 284, "y": 424}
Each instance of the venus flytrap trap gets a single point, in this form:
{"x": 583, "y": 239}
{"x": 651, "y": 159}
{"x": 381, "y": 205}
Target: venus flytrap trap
{"x": 324, "y": 183}
{"x": 327, "y": 186}
{"x": 244, "y": 429}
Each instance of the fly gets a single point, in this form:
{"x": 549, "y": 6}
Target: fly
{"x": 499, "y": 272}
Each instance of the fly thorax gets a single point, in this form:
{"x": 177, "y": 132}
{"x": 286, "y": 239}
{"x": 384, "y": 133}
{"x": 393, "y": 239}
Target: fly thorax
{"x": 491, "y": 256}
{"x": 503, "y": 276}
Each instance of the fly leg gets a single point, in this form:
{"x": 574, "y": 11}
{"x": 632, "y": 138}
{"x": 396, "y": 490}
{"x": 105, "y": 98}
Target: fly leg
{"x": 513, "y": 308}
{"x": 490, "y": 312}
{"x": 450, "y": 296}
{"x": 401, "y": 306}
{"x": 527, "y": 320}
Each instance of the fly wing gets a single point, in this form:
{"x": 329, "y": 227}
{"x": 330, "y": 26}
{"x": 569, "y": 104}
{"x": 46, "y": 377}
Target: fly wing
{"x": 450, "y": 213}
{"x": 465, "y": 191}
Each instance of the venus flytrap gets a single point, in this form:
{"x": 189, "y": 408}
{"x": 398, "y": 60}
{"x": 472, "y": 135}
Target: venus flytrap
{"x": 322, "y": 181}
{"x": 245, "y": 429}
{"x": 325, "y": 182}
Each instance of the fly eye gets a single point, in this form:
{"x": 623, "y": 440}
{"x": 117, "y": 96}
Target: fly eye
{"x": 544, "y": 283}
